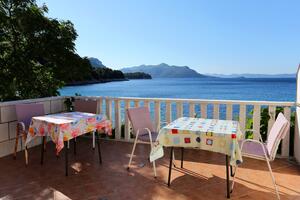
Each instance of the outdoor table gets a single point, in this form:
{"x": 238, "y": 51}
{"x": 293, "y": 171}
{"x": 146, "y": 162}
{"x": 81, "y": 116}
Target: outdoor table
{"x": 207, "y": 134}
{"x": 63, "y": 127}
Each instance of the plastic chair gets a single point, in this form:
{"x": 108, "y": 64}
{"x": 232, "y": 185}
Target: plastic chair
{"x": 257, "y": 149}
{"x": 88, "y": 106}
{"x": 143, "y": 129}
{"x": 24, "y": 114}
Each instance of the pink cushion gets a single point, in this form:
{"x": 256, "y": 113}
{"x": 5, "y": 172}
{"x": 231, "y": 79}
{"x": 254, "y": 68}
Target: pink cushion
{"x": 146, "y": 138}
{"x": 253, "y": 149}
{"x": 140, "y": 119}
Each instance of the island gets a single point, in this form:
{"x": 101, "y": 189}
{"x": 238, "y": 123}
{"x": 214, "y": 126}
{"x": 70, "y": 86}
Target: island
{"x": 137, "y": 75}
{"x": 164, "y": 70}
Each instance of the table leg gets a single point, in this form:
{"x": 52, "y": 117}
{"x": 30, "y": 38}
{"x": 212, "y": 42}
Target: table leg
{"x": 66, "y": 157}
{"x": 170, "y": 166}
{"x": 227, "y": 176}
{"x": 182, "y": 149}
{"x": 99, "y": 150}
{"x": 94, "y": 140}
{"x": 42, "y": 150}
{"x": 74, "y": 146}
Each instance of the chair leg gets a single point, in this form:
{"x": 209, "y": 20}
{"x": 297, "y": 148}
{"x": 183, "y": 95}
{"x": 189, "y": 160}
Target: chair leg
{"x": 233, "y": 177}
{"x": 273, "y": 179}
{"x": 174, "y": 164}
{"x": 42, "y": 150}
{"x": 170, "y": 167}
{"x": 74, "y": 141}
{"x": 154, "y": 167}
{"x": 132, "y": 152}
{"x": 17, "y": 142}
{"x": 182, "y": 149}
{"x": 66, "y": 159}
{"x": 94, "y": 140}
{"x": 26, "y": 149}
{"x": 45, "y": 144}
{"x": 99, "y": 150}
{"x": 26, "y": 155}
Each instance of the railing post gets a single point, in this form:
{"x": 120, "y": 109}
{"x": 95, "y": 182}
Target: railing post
{"x": 157, "y": 114}
{"x": 100, "y": 104}
{"x": 147, "y": 104}
{"x": 127, "y": 126}
{"x": 216, "y": 111}
{"x": 256, "y": 122}
{"x": 179, "y": 110}
{"x": 229, "y": 111}
{"x": 242, "y": 118}
{"x": 117, "y": 119}
{"x": 285, "y": 148}
{"x": 136, "y": 103}
{"x": 272, "y": 114}
{"x": 108, "y": 104}
{"x": 204, "y": 110}
{"x": 191, "y": 109}
{"x": 168, "y": 112}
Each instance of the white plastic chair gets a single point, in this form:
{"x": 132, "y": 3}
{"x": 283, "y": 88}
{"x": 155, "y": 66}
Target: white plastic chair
{"x": 257, "y": 149}
{"x": 143, "y": 129}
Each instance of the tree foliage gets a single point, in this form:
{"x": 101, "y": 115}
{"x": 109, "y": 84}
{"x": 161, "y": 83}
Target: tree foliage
{"x": 37, "y": 53}
{"x": 137, "y": 75}
{"x": 107, "y": 74}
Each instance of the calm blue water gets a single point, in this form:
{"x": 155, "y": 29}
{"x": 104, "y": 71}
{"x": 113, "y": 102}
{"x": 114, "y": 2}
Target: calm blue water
{"x": 268, "y": 89}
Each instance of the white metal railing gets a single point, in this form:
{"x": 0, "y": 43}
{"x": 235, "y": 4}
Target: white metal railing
{"x": 164, "y": 109}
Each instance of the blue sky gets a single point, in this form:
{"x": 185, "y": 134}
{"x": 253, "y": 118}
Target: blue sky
{"x": 212, "y": 36}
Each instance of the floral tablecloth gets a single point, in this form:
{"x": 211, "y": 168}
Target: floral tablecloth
{"x": 208, "y": 134}
{"x": 65, "y": 126}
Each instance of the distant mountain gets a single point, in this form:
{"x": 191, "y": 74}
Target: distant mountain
{"x": 96, "y": 63}
{"x": 164, "y": 71}
{"x": 253, "y": 75}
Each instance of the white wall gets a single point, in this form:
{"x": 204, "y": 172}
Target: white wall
{"x": 297, "y": 132}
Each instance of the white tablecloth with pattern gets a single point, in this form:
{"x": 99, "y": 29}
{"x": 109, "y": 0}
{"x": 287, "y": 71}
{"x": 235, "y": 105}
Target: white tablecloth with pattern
{"x": 65, "y": 126}
{"x": 208, "y": 134}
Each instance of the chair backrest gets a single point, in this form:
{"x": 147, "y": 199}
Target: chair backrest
{"x": 278, "y": 131}
{"x": 26, "y": 111}
{"x": 140, "y": 119}
{"x": 89, "y": 106}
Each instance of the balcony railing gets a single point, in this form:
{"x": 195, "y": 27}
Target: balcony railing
{"x": 162, "y": 110}
{"x": 166, "y": 110}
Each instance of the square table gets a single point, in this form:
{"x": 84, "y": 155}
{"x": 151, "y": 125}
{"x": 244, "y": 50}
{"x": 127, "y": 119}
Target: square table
{"x": 207, "y": 134}
{"x": 62, "y": 127}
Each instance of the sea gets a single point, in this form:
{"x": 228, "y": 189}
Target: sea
{"x": 257, "y": 89}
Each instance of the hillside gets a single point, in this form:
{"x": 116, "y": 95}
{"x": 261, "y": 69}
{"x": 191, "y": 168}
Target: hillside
{"x": 137, "y": 75}
{"x": 164, "y": 71}
{"x": 96, "y": 63}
